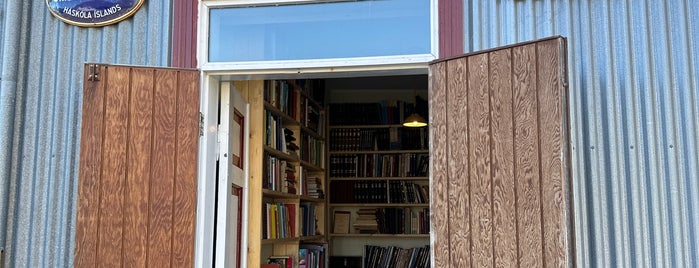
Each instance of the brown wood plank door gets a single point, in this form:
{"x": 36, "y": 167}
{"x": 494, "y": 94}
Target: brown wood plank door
{"x": 501, "y": 180}
{"x": 138, "y": 167}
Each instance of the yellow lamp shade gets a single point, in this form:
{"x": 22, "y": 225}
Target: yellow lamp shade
{"x": 415, "y": 120}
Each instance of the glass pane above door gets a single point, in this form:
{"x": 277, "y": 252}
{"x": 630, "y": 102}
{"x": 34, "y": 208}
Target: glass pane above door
{"x": 320, "y": 31}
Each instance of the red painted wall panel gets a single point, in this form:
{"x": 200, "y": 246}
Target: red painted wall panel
{"x": 451, "y": 28}
{"x": 184, "y": 34}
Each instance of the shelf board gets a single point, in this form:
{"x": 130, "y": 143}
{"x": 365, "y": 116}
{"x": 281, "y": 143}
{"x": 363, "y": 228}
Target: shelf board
{"x": 382, "y": 152}
{"x": 382, "y": 235}
{"x": 310, "y": 167}
{"x": 368, "y": 126}
{"x": 379, "y": 204}
{"x": 280, "y": 154}
{"x": 379, "y": 178}
{"x": 280, "y": 240}
{"x": 313, "y": 237}
{"x": 288, "y": 120}
{"x": 312, "y": 133}
{"x": 277, "y": 194}
{"x": 311, "y": 199}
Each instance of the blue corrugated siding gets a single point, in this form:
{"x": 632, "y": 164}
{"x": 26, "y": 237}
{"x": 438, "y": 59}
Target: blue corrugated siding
{"x": 41, "y": 184}
{"x": 634, "y": 106}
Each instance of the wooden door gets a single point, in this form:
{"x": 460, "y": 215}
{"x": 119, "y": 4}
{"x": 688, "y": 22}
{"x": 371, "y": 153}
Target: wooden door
{"x": 138, "y": 167}
{"x": 501, "y": 182}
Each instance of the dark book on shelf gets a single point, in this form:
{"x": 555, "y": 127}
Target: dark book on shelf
{"x": 316, "y": 254}
{"x": 346, "y": 261}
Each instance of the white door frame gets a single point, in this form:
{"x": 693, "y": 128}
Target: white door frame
{"x": 213, "y": 73}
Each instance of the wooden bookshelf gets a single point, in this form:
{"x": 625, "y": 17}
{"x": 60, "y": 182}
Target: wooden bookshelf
{"x": 292, "y": 172}
{"x": 397, "y": 205}
{"x": 382, "y": 235}
{"x": 366, "y": 162}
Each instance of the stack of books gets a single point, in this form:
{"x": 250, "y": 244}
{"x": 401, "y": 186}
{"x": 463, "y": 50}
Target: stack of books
{"x": 366, "y": 221}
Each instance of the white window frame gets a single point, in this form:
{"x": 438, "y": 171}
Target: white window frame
{"x": 306, "y": 65}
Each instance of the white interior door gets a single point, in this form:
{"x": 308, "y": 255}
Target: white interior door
{"x": 231, "y": 224}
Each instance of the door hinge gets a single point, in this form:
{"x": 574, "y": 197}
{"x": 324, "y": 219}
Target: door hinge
{"x": 201, "y": 124}
{"x": 93, "y": 73}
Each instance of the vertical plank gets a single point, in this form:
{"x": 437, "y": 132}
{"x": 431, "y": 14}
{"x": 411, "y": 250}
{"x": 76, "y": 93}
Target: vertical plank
{"x": 552, "y": 165}
{"x": 527, "y": 157}
{"x": 111, "y": 214}
{"x": 459, "y": 198}
{"x": 163, "y": 170}
{"x": 479, "y": 158}
{"x": 139, "y": 168}
{"x": 504, "y": 215}
{"x": 185, "y": 196}
{"x": 255, "y": 98}
{"x": 439, "y": 212}
{"x": 90, "y": 171}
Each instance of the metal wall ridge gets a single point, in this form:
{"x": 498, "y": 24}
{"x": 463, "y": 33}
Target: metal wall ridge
{"x": 634, "y": 106}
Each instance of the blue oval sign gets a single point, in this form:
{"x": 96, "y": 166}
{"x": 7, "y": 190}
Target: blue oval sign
{"x": 93, "y": 13}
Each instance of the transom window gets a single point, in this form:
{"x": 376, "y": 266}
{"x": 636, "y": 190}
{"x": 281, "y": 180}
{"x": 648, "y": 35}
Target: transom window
{"x": 320, "y": 30}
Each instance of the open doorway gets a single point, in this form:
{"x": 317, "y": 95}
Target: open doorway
{"x": 296, "y": 165}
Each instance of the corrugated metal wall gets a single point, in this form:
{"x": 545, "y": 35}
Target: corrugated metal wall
{"x": 634, "y": 105}
{"x": 38, "y": 168}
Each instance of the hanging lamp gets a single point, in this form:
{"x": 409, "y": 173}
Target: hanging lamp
{"x": 415, "y": 120}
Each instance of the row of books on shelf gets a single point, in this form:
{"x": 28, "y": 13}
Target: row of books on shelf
{"x": 283, "y": 96}
{"x": 373, "y": 139}
{"x": 311, "y": 184}
{"x": 403, "y": 220}
{"x": 279, "y": 175}
{"x": 314, "y": 88}
{"x": 385, "y": 221}
{"x": 310, "y": 256}
{"x": 290, "y": 101}
{"x": 377, "y": 113}
{"x": 278, "y": 220}
{"x": 381, "y": 257}
{"x": 278, "y": 137}
{"x": 375, "y": 192}
{"x": 312, "y": 150}
{"x": 308, "y": 219}
{"x": 379, "y": 165}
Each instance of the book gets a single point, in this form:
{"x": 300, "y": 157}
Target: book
{"x": 341, "y": 222}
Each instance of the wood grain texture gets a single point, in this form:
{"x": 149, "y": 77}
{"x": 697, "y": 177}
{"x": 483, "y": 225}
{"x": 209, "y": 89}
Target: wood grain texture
{"x": 439, "y": 212}
{"x": 139, "y": 167}
{"x": 185, "y": 195}
{"x": 114, "y": 169}
{"x": 507, "y": 154}
{"x": 504, "y": 211}
{"x": 479, "y": 158}
{"x": 527, "y": 157}
{"x": 256, "y": 101}
{"x": 91, "y": 137}
{"x": 552, "y": 166}
{"x": 163, "y": 170}
{"x": 138, "y": 162}
{"x": 459, "y": 202}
